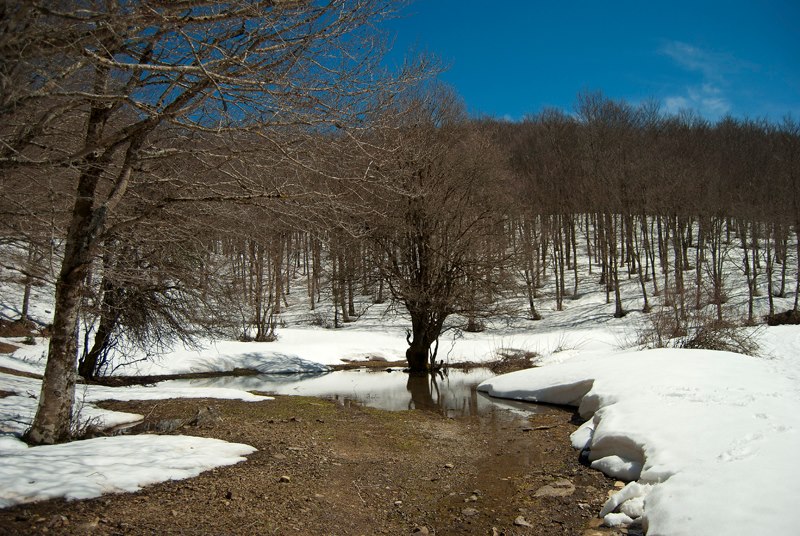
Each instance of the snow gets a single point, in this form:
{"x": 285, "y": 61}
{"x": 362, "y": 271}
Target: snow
{"x": 27, "y": 358}
{"x": 86, "y": 469}
{"x": 708, "y": 439}
{"x": 303, "y": 349}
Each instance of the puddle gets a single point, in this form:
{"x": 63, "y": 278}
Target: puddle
{"x": 453, "y": 394}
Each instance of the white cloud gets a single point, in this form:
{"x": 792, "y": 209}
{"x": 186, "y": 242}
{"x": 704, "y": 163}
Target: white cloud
{"x": 708, "y": 97}
{"x": 675, "y": 104}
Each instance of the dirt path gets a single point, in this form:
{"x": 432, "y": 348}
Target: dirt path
{"x": 351, "y": 470}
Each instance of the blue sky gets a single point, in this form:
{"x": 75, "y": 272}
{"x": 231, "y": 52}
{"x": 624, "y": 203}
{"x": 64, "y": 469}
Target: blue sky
{"x": 508, "y": 58}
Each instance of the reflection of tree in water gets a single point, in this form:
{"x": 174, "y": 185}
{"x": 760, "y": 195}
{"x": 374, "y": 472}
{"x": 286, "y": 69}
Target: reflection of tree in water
{"x": 426, "y": 395}
{"x": 421, "y": 386}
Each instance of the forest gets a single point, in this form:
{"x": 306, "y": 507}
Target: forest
{"x": 456, "y": 220}
{"x": 171, "y": 191}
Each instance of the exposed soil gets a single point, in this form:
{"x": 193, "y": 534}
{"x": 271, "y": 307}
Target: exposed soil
{"x": 350, "y": 470}
{"x": 21, "y": 328}
{"x": 6, "y": 348}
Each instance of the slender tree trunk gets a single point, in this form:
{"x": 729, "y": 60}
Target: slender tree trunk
{"x": 574, "y": 257}
{"x": 677, "y": 248}
{"x": 784, "y": 241}
{"x": 54, "y": 414}
{"x": 797, "y": 260}
{"x": 26, "y": 298}
{"x": 748, "y": 272}
{"x": 619, "y": 312}
{"x": 770, "y": 269}
{"x": 699, "y": 261}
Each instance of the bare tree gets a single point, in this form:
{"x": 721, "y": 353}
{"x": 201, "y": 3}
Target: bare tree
{"x": 441, "y": 180}
{"x": 123, "y": 72}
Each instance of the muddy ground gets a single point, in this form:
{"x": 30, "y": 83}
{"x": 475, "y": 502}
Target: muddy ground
{"x": 324, "y": 468}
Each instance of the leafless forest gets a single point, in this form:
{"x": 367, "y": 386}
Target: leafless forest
{"x": 176, "y": 171}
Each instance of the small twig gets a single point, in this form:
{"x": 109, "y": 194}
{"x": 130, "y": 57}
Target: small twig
{"x": 358, "y": 490}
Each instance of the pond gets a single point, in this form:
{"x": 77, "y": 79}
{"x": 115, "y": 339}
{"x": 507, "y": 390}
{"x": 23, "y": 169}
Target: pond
{"x": 452, "y": 394}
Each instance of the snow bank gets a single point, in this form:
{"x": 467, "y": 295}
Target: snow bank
{"x": 89, "y": 468}
{"x": 710, "y": 438}
{"x": 86, "y": 469}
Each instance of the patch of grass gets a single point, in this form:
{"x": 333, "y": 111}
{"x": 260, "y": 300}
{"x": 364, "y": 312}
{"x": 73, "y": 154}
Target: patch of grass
{"x": 512, "y": 359}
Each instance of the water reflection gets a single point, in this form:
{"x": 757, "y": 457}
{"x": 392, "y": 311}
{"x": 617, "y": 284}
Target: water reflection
{"x": 453, "y": 394}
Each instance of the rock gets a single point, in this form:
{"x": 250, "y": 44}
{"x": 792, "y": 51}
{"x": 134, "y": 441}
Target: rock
{"x": 557, "y": 488}
{"x": 449, "y": 466}
{"x": 58, "y": 521}
{"x": 90, "y": 525}
{"x": 472, "y": 498}
{"x": 421, "y": 530}
{"x": 495, "y": 532}
{"x": 520, "y": 521}
{"x": 207, "y": 416}
{"x": 229, "y": 495}
{"x": 398, "y": 503}
{"x": 285, "y": 479}
{"x": 469, "y": 512}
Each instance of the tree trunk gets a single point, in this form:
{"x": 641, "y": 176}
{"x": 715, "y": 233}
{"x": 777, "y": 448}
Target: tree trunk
{"x": 54, "y": 414}
{"x": 417, "y": 357}
{"x": 90, "y": 364}
{"x": 425, "y": 329}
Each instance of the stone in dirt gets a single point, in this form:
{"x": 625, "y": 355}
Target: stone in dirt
{"x": 207, "y": 416}
{"x": 285, "y": 479}
{"x": 520, "y": 521}
{"x": 558, "y": 488}
{"x": 469, "y": 512}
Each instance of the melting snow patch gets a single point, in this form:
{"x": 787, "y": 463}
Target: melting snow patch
{"x": 85, "y": 469}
